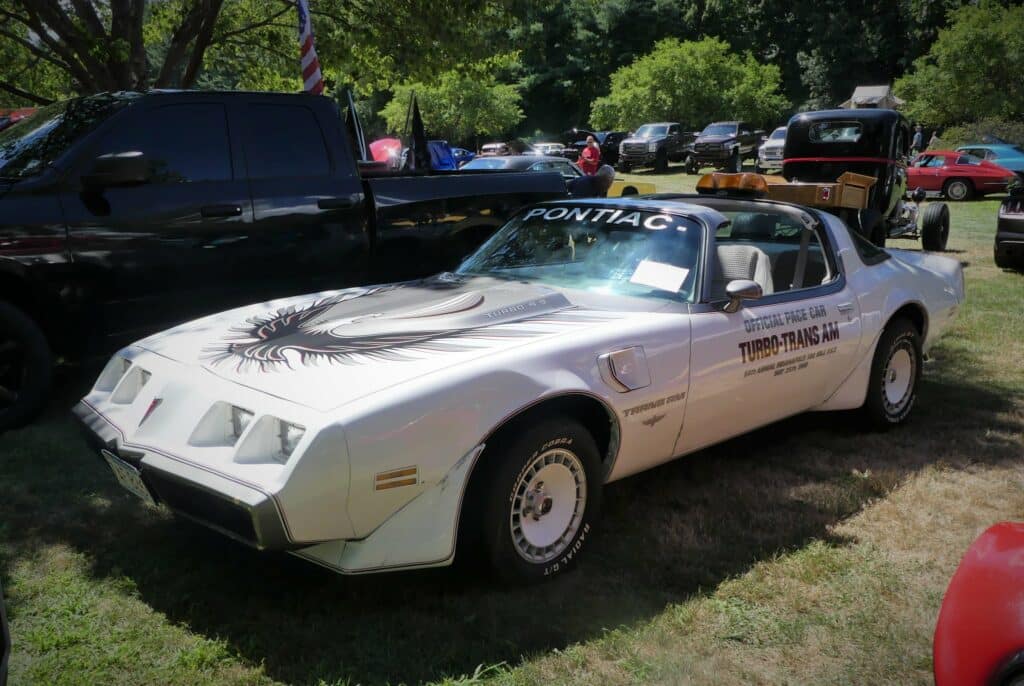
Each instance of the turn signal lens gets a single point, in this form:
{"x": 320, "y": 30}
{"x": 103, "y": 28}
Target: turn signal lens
{"x": 727, "y": 184}
{"x": 289, "y": 436}
{"x": 240, "y": 419}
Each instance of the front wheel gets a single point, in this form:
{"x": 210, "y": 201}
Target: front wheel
{"x": 736, "y": 162}
{"x": 895, "y": 371}
{"x": 542, "y": 500}
{"x": 26, "y": 368}
{"x": 935, "y": 227}
{"x": 958, "y": 189}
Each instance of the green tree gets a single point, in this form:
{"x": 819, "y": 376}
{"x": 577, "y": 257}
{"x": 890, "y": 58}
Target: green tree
{"x": 974, "y": 70}
{"x": 460, "y": 104}
{"x": 691, "y": 82}
{"x": 105, "y": 45}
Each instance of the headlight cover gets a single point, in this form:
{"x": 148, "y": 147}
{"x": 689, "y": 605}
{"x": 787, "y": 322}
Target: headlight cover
{"x": 271, "y": 440}
{"x": 652, "y": 146}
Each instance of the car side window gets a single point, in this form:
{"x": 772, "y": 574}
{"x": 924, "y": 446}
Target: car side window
{"x": 785, "y": 255}
{"x": 284, "y": 141}
{"x": 673, "y": 130}
{"x": 184, "y": 143}
{"x": 935, "y": 161}
{"x": 968, "y": 159}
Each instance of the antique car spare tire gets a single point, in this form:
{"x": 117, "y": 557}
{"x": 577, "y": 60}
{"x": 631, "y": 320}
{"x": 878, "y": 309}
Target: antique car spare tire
{"x": 895, "y": 370}
{"x": 542, "y": 500}
{"x": 935, "y": 227}
{"x": 957, "y": 189}
{"x": 26, "y": 368}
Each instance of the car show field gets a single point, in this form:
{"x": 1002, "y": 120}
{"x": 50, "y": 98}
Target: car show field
{"x": 804, "y": 552}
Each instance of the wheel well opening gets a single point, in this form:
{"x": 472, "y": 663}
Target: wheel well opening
{"x": 916, "y": 315}
{"x": 585, "y": 409}
{"x": 18, "y": 293}
{"x": 629, "y": 190}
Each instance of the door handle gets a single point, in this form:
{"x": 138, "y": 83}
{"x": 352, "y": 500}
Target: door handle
{"x": 215, "y": 211}
{"x": 845, "y": 307}
{"x": 343, "y": 202}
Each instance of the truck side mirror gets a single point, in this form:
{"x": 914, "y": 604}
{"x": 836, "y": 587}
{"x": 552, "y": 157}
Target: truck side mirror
{"x": 117, "y": 169}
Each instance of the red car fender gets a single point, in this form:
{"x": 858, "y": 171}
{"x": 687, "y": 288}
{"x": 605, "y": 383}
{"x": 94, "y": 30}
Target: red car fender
{"x": 979, "y": 636}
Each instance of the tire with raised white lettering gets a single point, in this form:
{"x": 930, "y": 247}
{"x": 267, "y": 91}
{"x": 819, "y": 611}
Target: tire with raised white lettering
{"x": 542, "y": 501}
{"x": 895, "y": 372}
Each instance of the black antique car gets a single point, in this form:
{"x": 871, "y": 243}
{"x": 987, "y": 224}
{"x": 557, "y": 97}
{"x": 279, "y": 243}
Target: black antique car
{"x": 821, "y": 146}
{"x": 1009, "y": 247}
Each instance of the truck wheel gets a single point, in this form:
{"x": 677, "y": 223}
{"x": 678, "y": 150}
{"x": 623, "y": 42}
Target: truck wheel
{"x": 661, "y": 161}
{"x": 736, "y": 162}
{"x": 958, "y": 189}
{"x": 895, "y": 370}
{"x": 26, "y": 368}
{"x": 935, "y": 227}
{"x": 690, "y": 165}
{"x": 542, "y": 500}
{"x": 871, "y": 226}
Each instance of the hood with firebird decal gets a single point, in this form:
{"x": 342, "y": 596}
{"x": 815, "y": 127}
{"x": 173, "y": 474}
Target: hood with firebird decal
{"x": 326, "y": 349}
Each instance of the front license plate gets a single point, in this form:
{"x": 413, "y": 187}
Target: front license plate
{"x": 128, "y": 476}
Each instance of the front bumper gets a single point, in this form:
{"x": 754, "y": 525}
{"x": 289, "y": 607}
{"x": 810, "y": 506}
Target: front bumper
{"x": 241, "y": 511}
{"x": 637, "y": 159}
{"x": 715, "y": 155}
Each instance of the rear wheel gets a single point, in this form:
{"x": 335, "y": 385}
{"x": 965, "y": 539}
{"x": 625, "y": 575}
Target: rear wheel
{"x": 541, "y": 500}
{"x": 958, "y": 189}
{"x": 872, "y": 226}
{"x": 895, "y": 371}
{"x": 935, "y": 227}
{"x": 26, "y": 368}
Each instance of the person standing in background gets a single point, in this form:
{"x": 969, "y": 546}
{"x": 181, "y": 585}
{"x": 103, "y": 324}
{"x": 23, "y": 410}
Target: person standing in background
{"x": 934, "y": 140}
{"x": 590, "y": 157}
{"x": 917, "y": 142}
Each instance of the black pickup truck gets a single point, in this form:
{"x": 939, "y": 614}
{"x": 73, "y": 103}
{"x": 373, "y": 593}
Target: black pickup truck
{"x": 124, "y": 213}
{"x": 724, "y": 144}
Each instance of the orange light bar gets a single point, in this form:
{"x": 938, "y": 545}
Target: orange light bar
{"x": 729, "y": 184}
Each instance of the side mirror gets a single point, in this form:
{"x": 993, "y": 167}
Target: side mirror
{"x": 740, "y": 290}
{"x": 117, "y": 169}
{"x": 918, "y": 195}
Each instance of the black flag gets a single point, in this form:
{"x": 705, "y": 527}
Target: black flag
{"x": 419, "y": 153}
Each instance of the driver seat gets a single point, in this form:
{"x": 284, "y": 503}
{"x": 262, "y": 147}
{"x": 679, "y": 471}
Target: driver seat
{"x": 741, "y": 262}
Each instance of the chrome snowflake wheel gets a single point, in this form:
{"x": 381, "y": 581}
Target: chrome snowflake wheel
{"x": 549, "y": 500}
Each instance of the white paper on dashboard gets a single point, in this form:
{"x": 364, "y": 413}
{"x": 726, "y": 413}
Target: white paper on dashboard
{"x": 664, "y": 277}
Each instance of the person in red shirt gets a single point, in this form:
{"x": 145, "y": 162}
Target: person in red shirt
{"x": 590, "y": 157}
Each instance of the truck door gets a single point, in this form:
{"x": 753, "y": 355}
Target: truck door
{"x": 161, "y": 251}
{"x": 309, "y": 209}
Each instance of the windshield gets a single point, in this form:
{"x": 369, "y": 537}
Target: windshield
{"x": 486, "y": 163}
{"x": 651, "y": 130}
{"x": 601, "y": 249}
{"x": 38, "y": 140}
{"x": 778, "y": 135}
{"x": 719, "y": 130}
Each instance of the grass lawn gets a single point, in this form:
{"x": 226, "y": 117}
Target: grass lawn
{"x": 803, "y": 553}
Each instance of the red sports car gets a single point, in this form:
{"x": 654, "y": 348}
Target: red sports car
{"x": 957, "y": 175}
{"x": 979, "y": 637}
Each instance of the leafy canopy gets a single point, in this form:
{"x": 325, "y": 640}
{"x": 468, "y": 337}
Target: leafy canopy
{"x": 691, "y": 82}
{"x": 975, "y": 69}
{"x": 459, "y": 104}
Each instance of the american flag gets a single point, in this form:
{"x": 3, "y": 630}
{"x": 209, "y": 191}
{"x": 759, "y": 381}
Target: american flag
{"x": 312, "y": 79}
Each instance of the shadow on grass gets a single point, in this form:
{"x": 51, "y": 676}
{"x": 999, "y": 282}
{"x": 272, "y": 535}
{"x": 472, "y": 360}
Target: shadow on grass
{"x": 665, "y": 535}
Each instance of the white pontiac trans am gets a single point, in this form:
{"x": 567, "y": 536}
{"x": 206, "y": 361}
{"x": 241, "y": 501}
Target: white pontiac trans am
{"x": 387, "y": 427}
